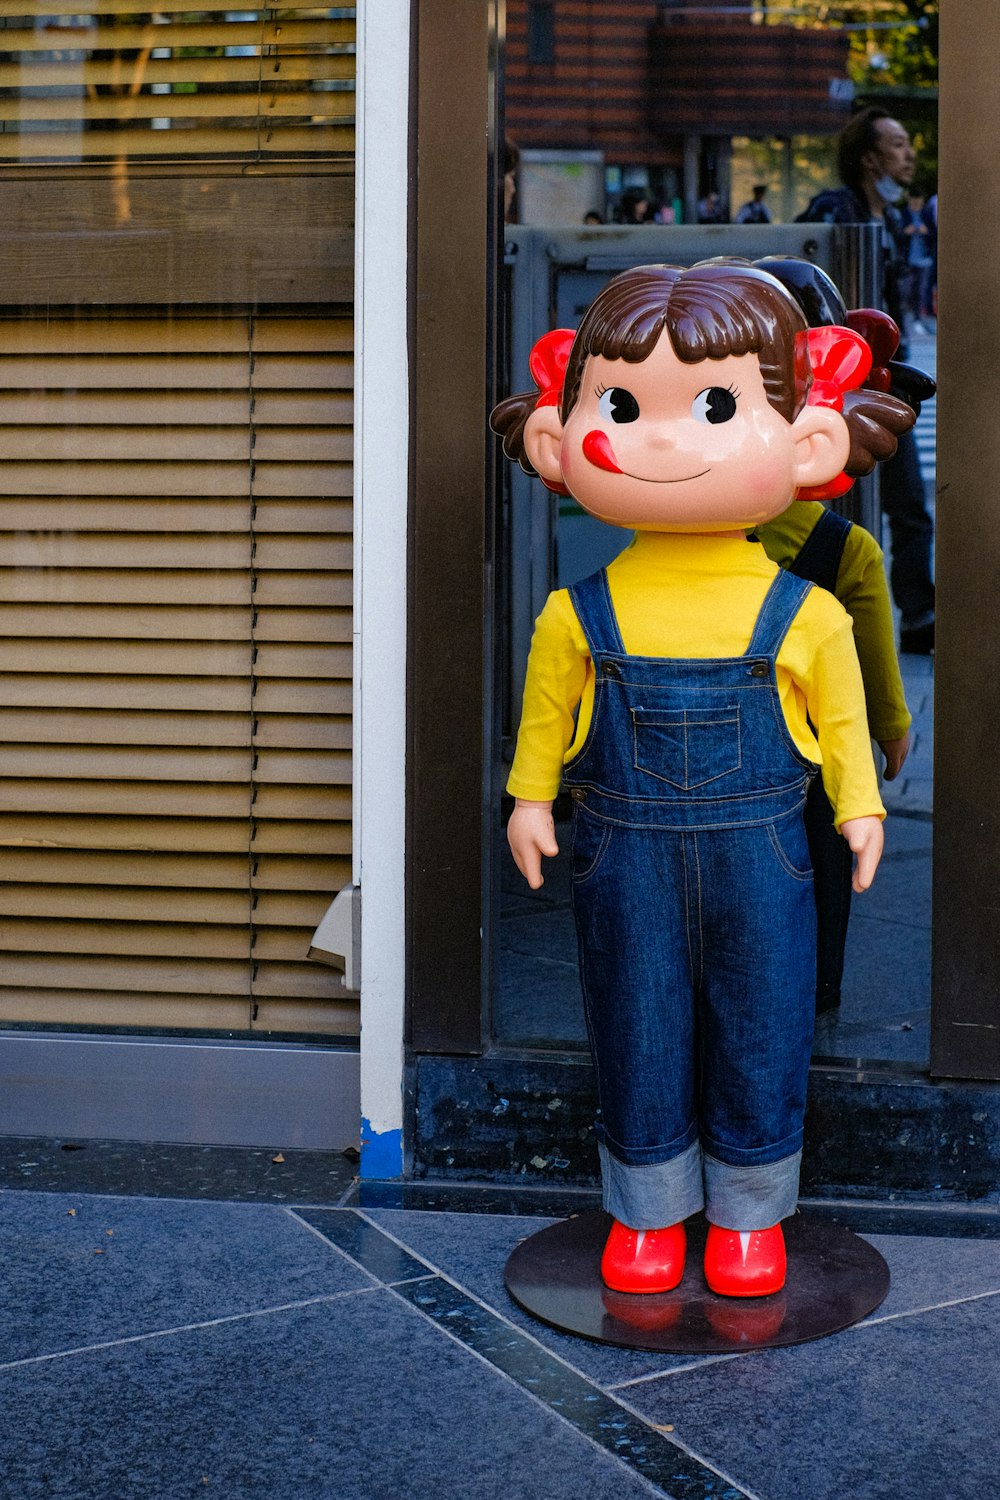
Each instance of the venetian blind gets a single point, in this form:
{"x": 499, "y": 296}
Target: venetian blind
{"x": 112, "y": 82}
{"x": 175, "y": 695}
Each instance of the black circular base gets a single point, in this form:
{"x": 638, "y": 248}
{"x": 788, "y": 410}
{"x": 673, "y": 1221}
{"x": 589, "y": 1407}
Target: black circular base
{"x": 834, "y": 1279}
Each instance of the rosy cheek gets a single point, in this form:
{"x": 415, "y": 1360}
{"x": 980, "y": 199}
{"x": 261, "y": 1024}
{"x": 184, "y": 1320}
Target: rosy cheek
{"x": 765, "y": 480}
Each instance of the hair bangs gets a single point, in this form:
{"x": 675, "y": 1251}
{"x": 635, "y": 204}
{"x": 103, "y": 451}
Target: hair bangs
{"x": 630, "y": 315}
{"x": 711, "y": 321}
{"x": 710, "y": 310}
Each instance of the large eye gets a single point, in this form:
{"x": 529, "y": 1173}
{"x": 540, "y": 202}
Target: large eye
{"x": 714, "y": 405}
{"x": 617, "y": 405}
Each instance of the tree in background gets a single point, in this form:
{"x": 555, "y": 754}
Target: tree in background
{"x": 893, "y": 62}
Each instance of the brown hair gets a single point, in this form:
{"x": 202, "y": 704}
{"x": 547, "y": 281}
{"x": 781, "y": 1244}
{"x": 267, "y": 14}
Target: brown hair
{"x": 710, "y": 310}
{"x": 859, "y": 136}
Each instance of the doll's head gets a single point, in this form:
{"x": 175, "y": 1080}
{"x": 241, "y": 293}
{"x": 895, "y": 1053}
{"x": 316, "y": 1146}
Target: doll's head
{"x": 685, "y": 403}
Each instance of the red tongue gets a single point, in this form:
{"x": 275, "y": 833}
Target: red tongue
{"x": 597, "y": 450}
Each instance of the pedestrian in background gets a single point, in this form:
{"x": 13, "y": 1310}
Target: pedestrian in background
{"x": 635, "y": 207}
{"x": 710, "y": 210}
{"x": 511, "y": 162}
{"x": 920, "y": 232}
{"x": 755, "y": 210}
{"x": 876, "y": 162}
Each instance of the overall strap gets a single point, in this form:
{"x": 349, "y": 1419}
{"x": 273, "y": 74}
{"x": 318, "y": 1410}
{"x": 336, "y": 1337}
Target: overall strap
{"x": 819, "y": 559}
{"x": 781, "y": 604}
{"x": 591, "y": 598}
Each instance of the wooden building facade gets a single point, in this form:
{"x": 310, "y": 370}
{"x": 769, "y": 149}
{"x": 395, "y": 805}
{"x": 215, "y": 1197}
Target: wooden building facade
{"x": 661, "y": 89}
{"x": 176, "y": 529}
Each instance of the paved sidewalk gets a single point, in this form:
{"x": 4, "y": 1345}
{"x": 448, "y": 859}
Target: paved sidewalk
{"x": 912, "y": 793}
{"x": 349, "y": 1349}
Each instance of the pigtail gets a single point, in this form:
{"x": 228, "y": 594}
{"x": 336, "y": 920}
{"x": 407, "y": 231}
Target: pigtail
{"x": 508, "y": 419}
{"x": 876, "y": 421}
{"x": 547, "y": 362}
{"x": 850, "y": 374}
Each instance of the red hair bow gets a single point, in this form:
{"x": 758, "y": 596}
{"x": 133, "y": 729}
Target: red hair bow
{"x": 547, "y": 363}
{"x": 881, "y": 334}
{"x": 840, "y": 360}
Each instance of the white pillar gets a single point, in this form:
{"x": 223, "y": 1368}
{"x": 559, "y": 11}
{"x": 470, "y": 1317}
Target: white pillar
{"x": 381, "y": 484}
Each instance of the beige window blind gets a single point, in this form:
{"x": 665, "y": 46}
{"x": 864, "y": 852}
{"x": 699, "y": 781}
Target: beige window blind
{"x": 112, "y": 82}
{"x": 175, "y": 660}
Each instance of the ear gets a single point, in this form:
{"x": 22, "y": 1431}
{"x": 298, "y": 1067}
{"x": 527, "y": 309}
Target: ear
{"x": 543, "y": 433}
{"x": 871, "y": 160}
{"x": 822, "y": 444}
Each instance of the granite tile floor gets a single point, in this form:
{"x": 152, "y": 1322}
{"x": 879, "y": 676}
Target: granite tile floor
{"x": 362, "y": 1346}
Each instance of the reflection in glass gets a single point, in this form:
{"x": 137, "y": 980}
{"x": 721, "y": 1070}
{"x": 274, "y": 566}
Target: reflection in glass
{"x": 885, "y": 1007}
{"x": 175, "y": 516}
{"x": 83, "y": 86}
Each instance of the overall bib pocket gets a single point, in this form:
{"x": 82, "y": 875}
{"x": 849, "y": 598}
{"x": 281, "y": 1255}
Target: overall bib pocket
{"x": 687, "y": 748}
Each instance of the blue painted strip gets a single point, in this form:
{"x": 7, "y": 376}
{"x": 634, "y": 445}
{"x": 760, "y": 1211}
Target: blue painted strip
{"x": 381, "y": 1152}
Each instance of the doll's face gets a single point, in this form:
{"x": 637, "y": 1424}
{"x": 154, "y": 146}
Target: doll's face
{"x": 666, "y": 446}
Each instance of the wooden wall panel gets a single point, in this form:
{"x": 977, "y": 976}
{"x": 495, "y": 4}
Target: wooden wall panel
{"x": 201, "y": 239}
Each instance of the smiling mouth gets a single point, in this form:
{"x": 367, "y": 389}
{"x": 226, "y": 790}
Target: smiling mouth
{"x": 682, "y": 480}
{"x": 597, "y": 450}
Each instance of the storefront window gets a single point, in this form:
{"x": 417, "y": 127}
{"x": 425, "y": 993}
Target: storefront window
{"x": 175, "y": 515}
{"x": 119, "y": 84}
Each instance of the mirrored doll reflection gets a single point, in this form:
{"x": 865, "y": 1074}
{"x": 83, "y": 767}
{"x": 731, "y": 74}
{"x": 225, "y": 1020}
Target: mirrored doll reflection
{"x": 539, "y": 1002}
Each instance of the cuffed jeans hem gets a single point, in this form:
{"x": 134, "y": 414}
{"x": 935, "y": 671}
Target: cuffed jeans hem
{"x": 657, "y": 1195}
{"x": 751, "y": 1197}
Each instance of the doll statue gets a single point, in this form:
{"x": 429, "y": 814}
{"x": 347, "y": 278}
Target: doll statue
{"x": 687, "y": 695}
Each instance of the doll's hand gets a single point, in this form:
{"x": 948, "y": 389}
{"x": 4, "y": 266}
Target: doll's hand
{"x": 530, "y": 834}
{"x": 866, "y": 839}
{"x": 895, "y": 752}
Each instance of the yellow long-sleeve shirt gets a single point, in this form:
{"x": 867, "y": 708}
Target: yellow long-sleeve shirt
{"x": 863, "y": 591}
{"x": 699, "y": 596}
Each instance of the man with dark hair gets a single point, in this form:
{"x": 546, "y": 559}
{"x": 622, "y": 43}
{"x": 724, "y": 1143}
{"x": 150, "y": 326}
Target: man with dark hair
{"x": 876, "y": 162}
{"x": 755, "y": 210}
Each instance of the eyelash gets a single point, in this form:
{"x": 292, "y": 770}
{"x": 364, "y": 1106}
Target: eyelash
{"x": 732, "y": 389}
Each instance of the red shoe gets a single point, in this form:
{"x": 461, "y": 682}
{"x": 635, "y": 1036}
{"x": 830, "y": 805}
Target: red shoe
{"x": 643, "y": 1260}
{"x": 750, "y": 1264}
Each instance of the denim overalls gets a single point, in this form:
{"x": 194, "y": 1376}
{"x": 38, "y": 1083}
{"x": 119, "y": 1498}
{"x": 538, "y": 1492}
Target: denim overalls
{"x": 692, "y": 891}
